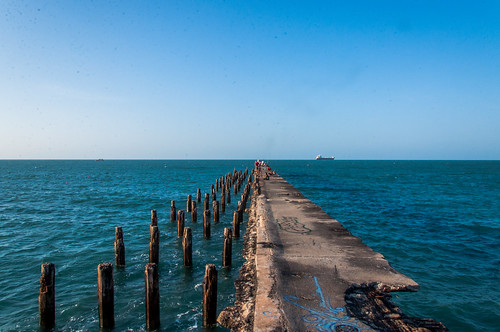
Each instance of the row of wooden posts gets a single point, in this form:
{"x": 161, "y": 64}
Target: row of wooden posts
{"x": 105, "y": 279}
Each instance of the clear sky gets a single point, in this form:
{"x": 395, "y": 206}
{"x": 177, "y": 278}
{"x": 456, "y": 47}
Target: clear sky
{"x": 250, "y": 79}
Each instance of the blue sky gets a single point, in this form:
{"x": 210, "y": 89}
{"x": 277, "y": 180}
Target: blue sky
{"x": 250, "y": 79}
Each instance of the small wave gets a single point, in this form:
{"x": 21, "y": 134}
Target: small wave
{"x": 484, "y": 227}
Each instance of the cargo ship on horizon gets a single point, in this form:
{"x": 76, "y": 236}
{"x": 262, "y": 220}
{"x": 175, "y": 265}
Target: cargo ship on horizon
{"x": 319, "y": 157}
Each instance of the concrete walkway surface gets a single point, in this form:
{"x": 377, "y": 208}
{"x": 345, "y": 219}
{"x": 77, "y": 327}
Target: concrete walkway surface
{"x": 314, "y": 275}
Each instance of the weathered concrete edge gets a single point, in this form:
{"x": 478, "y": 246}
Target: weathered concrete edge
{"x": 256, "y": 307}
{"x": 268, "y": 315}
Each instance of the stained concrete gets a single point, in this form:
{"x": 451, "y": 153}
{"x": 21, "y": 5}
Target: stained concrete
{"x": 306, "y": 261}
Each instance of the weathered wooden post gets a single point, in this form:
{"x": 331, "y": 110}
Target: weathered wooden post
{"x": 206, "y": 224}
{"x": 154, "y": 222}
{"x": 173, "y": 212}
{"x": 236, "y": 224}
{"x": 222, "y": 202}
{"x": 154, "y": 218}
{"x": 206, "y": 201}
{"x": 228, "y": 196}
{"x": 46, "y": 297}
{"x": 119, "y": 247}
{"x": 106, "y": 295}
{"x": 240, "y": 212}
{"x": 210, "y": 296}
{"x": 154, "y": 245}
{"x": 198, "y": 195}
{"x": 187, "y": 247}
{"x": 194, "y": 212}
{"x": 152, "y": 296}
{"x": 180, "y": 223}
{"x": 228, "y": 244}
{"x": 215, "y": 206}
{"x": 188, "y": 203}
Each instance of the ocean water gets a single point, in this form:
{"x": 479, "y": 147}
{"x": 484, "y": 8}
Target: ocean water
{"x": 65, "y": 212}
{"x": 436, "y": 221}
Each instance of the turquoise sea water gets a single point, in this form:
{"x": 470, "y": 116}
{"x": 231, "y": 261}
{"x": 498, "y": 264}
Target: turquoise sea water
{"x": 65, "y": 212}
{"x": 436, "y": 221}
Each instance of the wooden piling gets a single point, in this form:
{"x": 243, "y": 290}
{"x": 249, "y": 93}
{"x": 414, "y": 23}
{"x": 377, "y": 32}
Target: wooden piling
{"x": 206, "y": 224}
{"x": 46, "y": 297}
{"x": 194, "y": 212}
{"x": 180, "y": 223}
{"x": 173, "y": 212}
{"x": 154, "y": 245}
{"x": 152, "y": 296}
{"x": 106, "y": 295}
{"x": 240, "y": 211}
{"x": 206, "y": 202}
{"x": 210, "y": 296}
{"x": 215, "y": 206}
{"x": 188, "y": 203}
{"x": 198, "y": 195}
{"x": 236, "y": 224}
{"x": 228, "y": 196}
{"x": 222, "y": 202}
{"x": 228, "y": 244}
{"x": 187, "y": 247}
{"x": 119, "y": 247}
{"x": 154, "y": 218}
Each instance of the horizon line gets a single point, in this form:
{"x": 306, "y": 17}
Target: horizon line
{"x": 222, "y": 159}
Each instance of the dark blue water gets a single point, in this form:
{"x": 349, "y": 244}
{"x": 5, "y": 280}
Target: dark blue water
{"x": 436, "y": 221}
{"x": 65, "y": 212}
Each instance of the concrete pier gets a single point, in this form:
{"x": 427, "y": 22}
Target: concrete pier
{"x": 312, "y": 274}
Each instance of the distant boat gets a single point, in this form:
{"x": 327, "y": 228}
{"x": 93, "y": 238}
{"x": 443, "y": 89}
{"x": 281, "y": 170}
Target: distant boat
{"x": 99, "y": 160}
{"x": 319, "y": 157}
